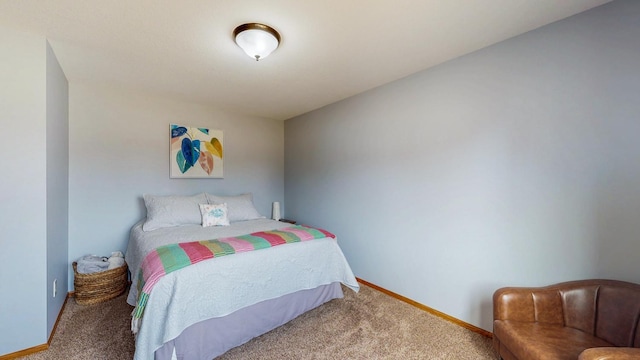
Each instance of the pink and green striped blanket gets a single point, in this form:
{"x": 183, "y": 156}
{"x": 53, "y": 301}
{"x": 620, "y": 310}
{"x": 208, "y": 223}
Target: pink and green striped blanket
{"x": 172, "y": 257}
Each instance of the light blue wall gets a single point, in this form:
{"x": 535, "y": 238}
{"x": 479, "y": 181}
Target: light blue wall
{"x": 119, "y": 150}
{"x": 23, "y": 217}
{"x": 515, "y": 165}
{"x": 57, "y": 186}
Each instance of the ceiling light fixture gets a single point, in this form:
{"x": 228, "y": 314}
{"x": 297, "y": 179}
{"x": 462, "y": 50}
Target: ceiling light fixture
{"x": 257, "y": 40}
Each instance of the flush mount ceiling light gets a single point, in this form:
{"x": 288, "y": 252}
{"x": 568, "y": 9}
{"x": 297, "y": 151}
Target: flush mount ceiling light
{"x": 257, "y": 40}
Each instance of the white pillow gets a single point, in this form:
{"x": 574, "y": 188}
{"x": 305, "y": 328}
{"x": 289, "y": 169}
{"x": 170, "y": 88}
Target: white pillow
{"x": 168, "y": 211}
{"x": 214, "y": 215}
{"x": 240, "y": 207}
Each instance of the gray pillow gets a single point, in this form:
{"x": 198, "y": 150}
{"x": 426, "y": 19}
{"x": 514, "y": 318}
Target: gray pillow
{"x": 240, "y": 207}
{"x": 168, "y": 211}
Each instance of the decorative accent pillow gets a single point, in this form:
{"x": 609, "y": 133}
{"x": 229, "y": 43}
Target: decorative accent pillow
{"x": 214, "y": 215}
{"x": 240, "y": 207}
{"x": 169, "y": 211}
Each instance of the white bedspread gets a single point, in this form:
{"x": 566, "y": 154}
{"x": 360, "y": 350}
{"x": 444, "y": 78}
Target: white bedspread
{"x": 220, "y": 286}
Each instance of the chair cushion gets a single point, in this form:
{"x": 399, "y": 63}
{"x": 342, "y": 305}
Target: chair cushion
{"x": 530, "y": 340}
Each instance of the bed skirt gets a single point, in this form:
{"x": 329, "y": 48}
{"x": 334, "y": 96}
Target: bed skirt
{"x": 210, "y": 338}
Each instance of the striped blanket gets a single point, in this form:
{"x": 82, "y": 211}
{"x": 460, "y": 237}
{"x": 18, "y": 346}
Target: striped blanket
{"x": 172, "y": 257}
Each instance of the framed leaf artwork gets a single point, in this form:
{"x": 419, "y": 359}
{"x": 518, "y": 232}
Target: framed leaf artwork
{"x": 196, "y": 152}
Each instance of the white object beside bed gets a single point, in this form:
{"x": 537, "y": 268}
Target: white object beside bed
{"x": 224, "y": 285}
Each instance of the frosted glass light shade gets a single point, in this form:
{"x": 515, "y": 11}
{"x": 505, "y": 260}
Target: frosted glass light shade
{"x": 257, "y": 40}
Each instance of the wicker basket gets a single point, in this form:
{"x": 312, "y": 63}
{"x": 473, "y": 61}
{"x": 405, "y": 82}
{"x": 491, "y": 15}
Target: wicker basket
{"x": 99, "y": 287}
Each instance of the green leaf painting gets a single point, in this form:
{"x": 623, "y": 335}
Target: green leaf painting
{"x": 196, "y": 152}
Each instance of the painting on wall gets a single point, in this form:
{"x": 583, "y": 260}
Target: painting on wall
{"x": 196, "y": 152}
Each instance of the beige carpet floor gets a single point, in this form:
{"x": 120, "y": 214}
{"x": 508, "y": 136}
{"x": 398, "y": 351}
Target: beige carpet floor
{"x": 367, "y": 325}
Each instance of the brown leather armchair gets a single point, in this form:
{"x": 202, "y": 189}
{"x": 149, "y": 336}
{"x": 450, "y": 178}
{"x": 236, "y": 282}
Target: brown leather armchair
{"x": 586, "y": 320}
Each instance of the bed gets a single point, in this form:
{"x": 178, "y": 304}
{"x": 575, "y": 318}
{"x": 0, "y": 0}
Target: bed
{"x": 205, "y": 309}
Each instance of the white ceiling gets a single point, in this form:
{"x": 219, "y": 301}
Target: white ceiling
{"x": 330, "y": 50}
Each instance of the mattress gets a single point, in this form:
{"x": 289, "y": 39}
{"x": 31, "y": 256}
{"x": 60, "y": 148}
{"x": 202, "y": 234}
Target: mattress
{"x": 222, "y": 286}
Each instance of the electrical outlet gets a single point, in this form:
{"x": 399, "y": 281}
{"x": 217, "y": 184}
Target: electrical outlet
{"x": 55, "y": 287}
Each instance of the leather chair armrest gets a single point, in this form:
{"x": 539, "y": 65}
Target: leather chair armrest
{"x": 610, "y": 353}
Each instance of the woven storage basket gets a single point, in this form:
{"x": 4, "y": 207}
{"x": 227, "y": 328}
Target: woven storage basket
{"x": 98, "y": 287}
